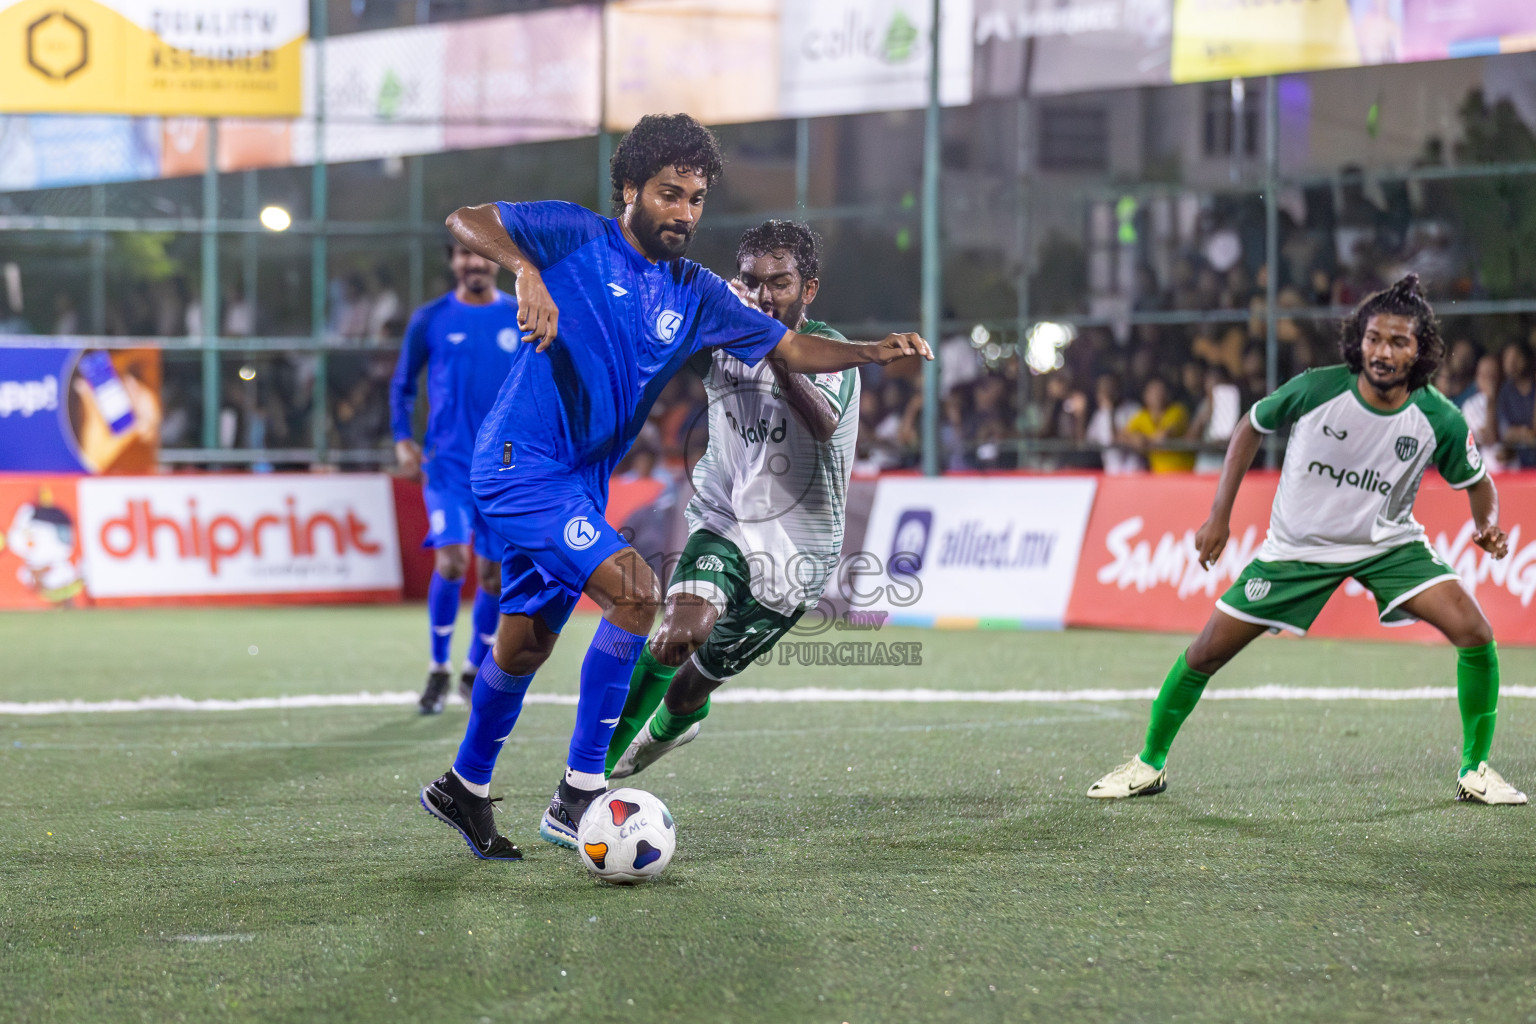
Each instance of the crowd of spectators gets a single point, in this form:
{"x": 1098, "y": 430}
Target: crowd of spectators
{"x": 1127, "y": 395}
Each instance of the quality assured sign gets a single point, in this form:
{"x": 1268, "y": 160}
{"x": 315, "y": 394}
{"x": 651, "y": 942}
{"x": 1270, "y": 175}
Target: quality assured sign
{"x": 293, "y": 537}
{"x": 966, "y": 552}
{"x": 193, "y": 57}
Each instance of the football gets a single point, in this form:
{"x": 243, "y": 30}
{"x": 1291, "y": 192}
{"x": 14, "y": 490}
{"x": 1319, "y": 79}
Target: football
{"x": 626, "y": 837}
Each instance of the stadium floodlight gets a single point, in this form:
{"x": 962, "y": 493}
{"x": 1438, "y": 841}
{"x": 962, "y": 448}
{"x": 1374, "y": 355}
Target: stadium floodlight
{"x": 1044, "y": 344}
{"x": 275, "y": 218}
{"x": 247, "y": 372}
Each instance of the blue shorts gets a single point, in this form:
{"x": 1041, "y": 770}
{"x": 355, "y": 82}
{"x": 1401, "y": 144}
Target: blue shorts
{"x": 453, "y": 519}
{"x": 554, "y": 536}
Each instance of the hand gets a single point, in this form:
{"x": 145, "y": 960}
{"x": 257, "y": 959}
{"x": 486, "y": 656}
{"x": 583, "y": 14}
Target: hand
{"x": 408, "y": 455}
{"x": 899, "y": 346}
{"x": 1211, "y": 540}
{"x": 739, "y": 287}
{"x": 1493, "y": 540}
{"x": 537, "y": 313}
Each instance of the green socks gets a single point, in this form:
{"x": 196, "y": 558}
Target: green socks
{"x": 1178, "y": 697}
{"x": 1477, "y": 695}
{"x": 668, "y": 726}
{"x": 647, "y": 686}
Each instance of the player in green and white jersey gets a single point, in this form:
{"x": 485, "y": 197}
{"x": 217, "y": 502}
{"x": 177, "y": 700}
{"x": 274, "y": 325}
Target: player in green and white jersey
{"x": 1362, "y": 436}
{"x": 766, "y": 521}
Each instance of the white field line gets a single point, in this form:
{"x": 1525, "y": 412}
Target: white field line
{"x": 748, "y": 695}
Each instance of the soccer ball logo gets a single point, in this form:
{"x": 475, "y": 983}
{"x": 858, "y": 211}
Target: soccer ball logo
{"x": 627, "y": 836}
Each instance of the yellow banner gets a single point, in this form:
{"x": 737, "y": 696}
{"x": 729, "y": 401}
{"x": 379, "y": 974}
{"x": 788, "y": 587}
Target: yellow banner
{"x": 1215, "y": 39}
{"x": 202, "y": 58}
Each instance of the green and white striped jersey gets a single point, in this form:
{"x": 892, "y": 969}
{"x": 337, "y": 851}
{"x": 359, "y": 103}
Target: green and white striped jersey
{"x": 767, "y": 485}
{"x": 1351, "y": 472}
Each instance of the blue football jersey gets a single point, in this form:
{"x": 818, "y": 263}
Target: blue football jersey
{"x": 626, "y": 326}
{"x": 467, "y": 351}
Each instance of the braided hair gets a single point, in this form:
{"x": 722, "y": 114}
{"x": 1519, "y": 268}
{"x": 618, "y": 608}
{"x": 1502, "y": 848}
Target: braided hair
{"x": 1405, "y": 298}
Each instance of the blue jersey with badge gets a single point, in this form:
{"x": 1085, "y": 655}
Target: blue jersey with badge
{"x": 626, "y": 326}
{"x": 467, "y": 351}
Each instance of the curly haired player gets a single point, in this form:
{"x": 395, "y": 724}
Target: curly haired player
{"x": 612, "y": 309}
{"x": 1362, "y": 436}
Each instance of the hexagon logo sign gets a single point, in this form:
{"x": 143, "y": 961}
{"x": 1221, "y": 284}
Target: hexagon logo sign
{"x": 58, "y": 45}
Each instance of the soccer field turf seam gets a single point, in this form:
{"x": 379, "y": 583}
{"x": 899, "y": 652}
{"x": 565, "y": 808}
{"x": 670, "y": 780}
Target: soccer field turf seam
{"x": 797, "y": 695}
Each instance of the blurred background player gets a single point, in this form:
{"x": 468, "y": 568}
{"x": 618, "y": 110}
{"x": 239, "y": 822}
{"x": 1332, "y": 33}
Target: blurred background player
{"x": 466, "y": 339}
{"x": 1362, "y": 436}
{"x": 767, "y": 517}
{"x": 614, "y": 310}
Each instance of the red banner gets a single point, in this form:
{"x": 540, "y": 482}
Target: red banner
{"x": 1138, "y": 568}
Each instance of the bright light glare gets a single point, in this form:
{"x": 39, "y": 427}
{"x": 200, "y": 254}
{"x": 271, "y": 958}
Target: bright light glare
{"x": 275, "y": 218}
{"x": 247, "y": 372}
{"x": 1044, "y": 342}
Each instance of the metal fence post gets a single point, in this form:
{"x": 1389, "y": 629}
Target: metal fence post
{"x": 317, "y": 279}
{"x": 932, "y": 258}
{"x": 210, "y": 300}
{"x": 1271, "y": 250}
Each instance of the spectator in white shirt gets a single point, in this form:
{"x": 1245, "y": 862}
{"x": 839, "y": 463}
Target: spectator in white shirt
{"x": 1481, "y": 411}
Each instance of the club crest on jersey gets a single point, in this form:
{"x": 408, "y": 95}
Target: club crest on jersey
{"x": 1256, "y": 589}
{"x": 507, "y": 339}
{"x": 709, "y": 563}
{"x": 1406, "y": 447}
{"x": 580, "y": 534}
{"x": 667, "y": 324}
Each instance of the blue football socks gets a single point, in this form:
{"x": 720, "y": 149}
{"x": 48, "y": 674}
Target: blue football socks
{"x": 484, "y": 618}
{"x": 493, "y": 709}
{"x": 442, "y": 612}
{"x": 605, "y": 673}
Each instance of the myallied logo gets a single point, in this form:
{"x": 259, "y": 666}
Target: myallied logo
{"x": 1369, "y": 480}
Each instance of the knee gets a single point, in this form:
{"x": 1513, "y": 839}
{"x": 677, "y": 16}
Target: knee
{"x": 642, "y": 599}
{"x": 489, "y": 573}
{"x": 449, "y": 563}
{"x": 1474, "y": 633}
{"x": 1200, "y": 658}
{"x": 517, "y": 659}
{"x": 673, "y": 643}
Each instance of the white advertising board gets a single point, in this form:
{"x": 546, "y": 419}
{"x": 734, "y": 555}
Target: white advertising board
{"x": 853, "y": 56}
{"x": 972, "y": 551}
{"x": 239, "y": 536}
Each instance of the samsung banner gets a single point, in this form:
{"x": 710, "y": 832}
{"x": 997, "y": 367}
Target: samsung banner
{"x": 972, "y": 551}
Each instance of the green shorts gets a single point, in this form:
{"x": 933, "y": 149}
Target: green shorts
{"x": 1289, "y": 595}
{"x": 713, "y": 568}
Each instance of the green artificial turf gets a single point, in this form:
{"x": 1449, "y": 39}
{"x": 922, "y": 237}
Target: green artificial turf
{"x": 864, "y": 862}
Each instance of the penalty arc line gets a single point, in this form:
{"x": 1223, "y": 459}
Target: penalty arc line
{"x": 749, "y": 695}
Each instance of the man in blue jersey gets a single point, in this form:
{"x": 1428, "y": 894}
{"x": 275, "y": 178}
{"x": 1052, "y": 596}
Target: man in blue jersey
{"x": 614, "y": 311}
{"x": 467, "y": 340}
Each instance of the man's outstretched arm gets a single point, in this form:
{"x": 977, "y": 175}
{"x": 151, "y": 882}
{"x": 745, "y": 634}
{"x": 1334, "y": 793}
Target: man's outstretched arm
{"x": 479, "y": 229}
{"x": 1211, "y": 538}
{"x": 811, "y": 353}
{"x": 1484, "y": 498}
